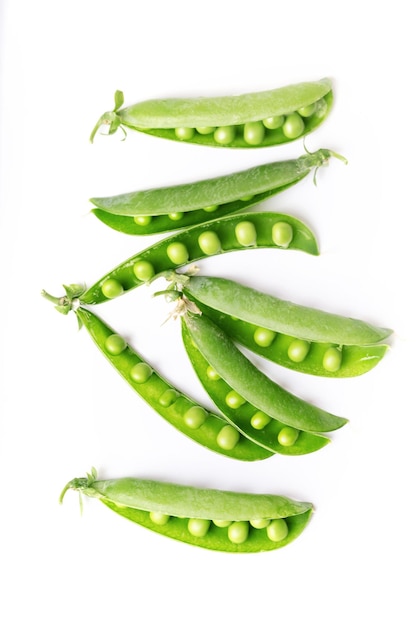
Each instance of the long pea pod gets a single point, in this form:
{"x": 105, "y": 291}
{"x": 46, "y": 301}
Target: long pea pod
{"x": 250, "y": 120}
{"x": 252, "y": 423}
{"x": 176, "y": 207}
{"x": 232, "y": 233}
{"x": 253, "y": 385}
{"x": 225, "y": 521}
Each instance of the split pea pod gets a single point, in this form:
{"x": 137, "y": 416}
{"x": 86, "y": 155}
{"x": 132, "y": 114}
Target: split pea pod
{"x": 252, "y": 423}
{"x": 228, "y": 234}
{"x": 298, "y": 337}
{"x": 163, "y": 209}
{"x": 225, "y": 521}
{"x": 250, "y": 120}
{"x": 251, "y": 384}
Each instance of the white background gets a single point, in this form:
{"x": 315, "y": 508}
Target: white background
{"x": 64, "y": 409}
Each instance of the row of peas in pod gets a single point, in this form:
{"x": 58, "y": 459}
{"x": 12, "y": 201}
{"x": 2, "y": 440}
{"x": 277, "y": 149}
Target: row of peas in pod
{"x": 255, "y": 417}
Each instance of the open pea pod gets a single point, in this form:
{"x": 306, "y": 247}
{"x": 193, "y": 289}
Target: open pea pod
{"x": 252, "y": 423}
{"x": 176, "y": 207}
{"x": 300, "y": 338}
{"x": 251, "y": 384}
{"x": 225, "y": 521}
{"x": 232, "y": 233}
{"x": 250, "y": 120}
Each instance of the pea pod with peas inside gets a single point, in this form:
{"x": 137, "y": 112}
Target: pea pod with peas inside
{"x": 163, "y": 209}
{"x": 250, "y": 120}
{"x": 225, "y": 521}
{"x": 227, "y": 234}
{"x": 298, "y": 337}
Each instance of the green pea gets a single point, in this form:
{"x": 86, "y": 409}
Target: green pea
{"x": 212, "y": 374}
{"x": 168, "y": 397}
{"x": 282, "y": 234}
{"x": 253, "y": 133}
{"x": 259, "y": 523}
{"x": 141, "y": 372}
{"x": 293, "y": 126}
{"x": 224, "y": 135}
{"x": 111, "y": 288}
{"x": 247, "y": 198}
{"x": 308, "y": 110}
{"x": 205, "y": 130}
{"x": 221, "y": 523}
{"x": 259, "y": 420}
{"x": 264, "y": 337}
{"x": 245, "y": 233}
{"x": 321, "y": 108}
{"x": 177, "y": 253}
{"x": 160, "y": 519}
{"x": 277, "y": 530}
{"x": 332, "y": 359}
{"x": 287, "y": 436}
{"x": 209, "y": 242}
{"x": 176, "y": 217}
{"x": 143, "y": 270}
{"x": 238, "y": 532}
{"x": 234, "y": 400}
{"x": 211, "y": 209}
{"x": 142, "y": 220}
{"x": 115, "y": 344}
{"x": 274, "y": 122}
{"x": 298, "y": 350}
{"x": 184, "y": 134}
{"x": 195, "y": 417}
{"x": 198, "y": 527}
{"x": 228, "y": 437}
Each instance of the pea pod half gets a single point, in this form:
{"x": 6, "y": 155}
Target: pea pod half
{"x": 228, "y": 234}
{"x": 300, "y": 338}
{"x": 171, "y": 208}
{"x": 250, "y": 120}
{"x": 217, "y": 520}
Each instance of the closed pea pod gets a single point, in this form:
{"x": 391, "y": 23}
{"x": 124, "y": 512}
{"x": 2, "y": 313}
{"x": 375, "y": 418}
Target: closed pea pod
{"x": 249, "y": 120}
{"x": 206, "y": 518}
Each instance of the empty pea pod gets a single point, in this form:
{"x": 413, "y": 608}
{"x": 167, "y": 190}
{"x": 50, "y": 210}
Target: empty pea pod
{"x": 226, "y": 521}
{"x": 249, "y": 120}
{"x": 252, "y": 423}
{"x": 163, "y": 209}
{"x": 223, "y": 235}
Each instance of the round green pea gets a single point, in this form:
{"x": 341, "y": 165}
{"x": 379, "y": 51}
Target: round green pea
{"x": 321, "y": 108}
{"x": 274, "y": 122}
{"x": 141, "y": 372}
{"x": 143, "y": 220}
{"x": 263, "y": 337}
{"x": 211, "y": 373}
{"x": 246, "y": 198}
{"x": 159, "y": 518}
{"x": 228, "y": 437}
{"x": 195, "y": 417}
{"x": 245, "y": 233}
{"x": 115, "y": 344}
{"x": 143, "y": 270}
{"x": 282, "y": 234}
{"x": 234, "y": 400}
{"x": 205, "y": 130}
{"x": 209, "y": 242}
{"x": 184, "y": 134}
{"x": 211, "y": 209}
{"x": 177, "y": 253}
{"x": 198, "y": 527}
{"x": 238, "y": 532}
{"x": 253, "y": 133}
{"x": 112, "y": 288}
{"x": 277, "y": 530}
{"x": 298, "y": 350}
{"x": 259, "y": 420}
{"x": 308, "y": 110}
{"x": 176, "y": 217}
{"x": 293, "y": 126}
{"x": 221, "y": 523}
{"x": 224, "y": 135}
{"x": 332, "y": 359}
{"x": 287, "y": 436}
{"x": 168, "y": 397}
{"x": 259, "y": 523}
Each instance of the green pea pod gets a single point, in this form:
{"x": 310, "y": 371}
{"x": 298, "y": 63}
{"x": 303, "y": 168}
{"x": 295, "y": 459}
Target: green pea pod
{"x": 250, "y": 120}
{"x": 252, "y": 384}
{"x": 228, "y": 234}
{"x": 181, "y": 411}
{"x": 171, "y": 208}
{"x": 226, "y": 521}
{"x": 251, "y": 422}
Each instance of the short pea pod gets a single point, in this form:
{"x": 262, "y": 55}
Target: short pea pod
{"x": 252, "y": 423}
{"x": 225, "y": 521}
{"x": 227, "y": 234}
{"x": 163, "y": 209}
{"x": 178, "y": 409}
{"x": 249, "y": 120}
{"x": 252, "y": 384}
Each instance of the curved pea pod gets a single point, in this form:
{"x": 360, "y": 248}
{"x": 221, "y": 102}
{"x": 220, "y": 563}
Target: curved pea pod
{"x": 181, "y": 411}
{"x": 172, "y": 208}
{"x": 252, "y": 423}
{"x": 319, "y": 346}
{"x": 225, "y": 521}
{"x": 236, "y": 232}
{"x": 250, "y": 120}
{"x": 252, "y": 384}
